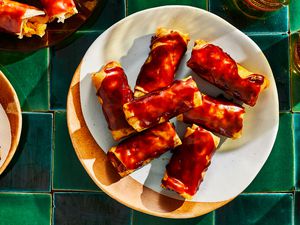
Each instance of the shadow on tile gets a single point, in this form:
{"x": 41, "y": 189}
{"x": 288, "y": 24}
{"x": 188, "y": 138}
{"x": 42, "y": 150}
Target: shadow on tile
{"x": 89, "y": 208}
{"x": 30, "y": 168}
{"x": 257, "y": 209}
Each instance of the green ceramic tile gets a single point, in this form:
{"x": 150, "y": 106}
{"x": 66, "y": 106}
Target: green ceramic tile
{"x": 90, "y": 209}
{"x": 64, "y": 61}
{"x": 277, "y": 173}
{"x": 297, "y": 208}
{"x": 257, "y": 209}
{"x": 295, "y": 74}
{"x": 273, "y": 46}
{"x": 276, "y": 22}
{"x": 28, "y": 73}
{"x": 104, "y": 17}
{"x": 69, "y": 174}
{"x": 297, "y": 148}
{"x": 294, "y": 15}
{"x": 30, "y": 168}
{"x": 137, "y": 5}
{"x": 144, "y": 219}
{"x": 25, "y": 209}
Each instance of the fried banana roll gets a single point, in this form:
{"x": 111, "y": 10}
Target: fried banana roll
{"x": 167, "y": 49}
{"x": 140, "y": 149}
{"x": 59, "y": 9}
{"x": 161, "y": 105}
{"x": 189, "y": 162}
{"x": 217, "y": 67}
{"x": 219, "y": 116}
{"x": 21, "y": 19}
{"x": 113, "y": 92}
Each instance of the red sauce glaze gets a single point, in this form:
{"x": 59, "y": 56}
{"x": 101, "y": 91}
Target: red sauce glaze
{"x": 55, "y": 7}
{"x": 147, "y": 145}
{"x": 165, "y": 103}
{"x": 216, "y": 115}
{"x": 11, "y": 15}
{"x": 160, "y": 70}
{"x": 115, "y": 92}
{"x": 216, "y": 66}
{"x": 189, "y": 161}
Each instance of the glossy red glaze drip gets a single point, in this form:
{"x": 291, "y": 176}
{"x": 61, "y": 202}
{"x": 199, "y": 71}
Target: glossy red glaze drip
{"x": 115, "y": 92}
{"x": 217, "y": 115}
{"x": 163, "y": 62}
{"x": 189, "y": 162}
{"x": 216, "y": 66}
{"x": 147, "y": 145}
{"x": 11, "y": 15}
{"x": 165, "y": 103}
{"x": 56, "y": 7}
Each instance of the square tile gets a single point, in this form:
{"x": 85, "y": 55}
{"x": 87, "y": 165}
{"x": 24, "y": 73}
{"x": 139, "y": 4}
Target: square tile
{"x": 25, "y": 209}
{"x": 274, "y": 46}
{"x": 280, "y": 160}
{"x": 295, "y": 75}
{"x": 276, "y": 22}
{"x": 297, "y": 208}
{"x": 294, "y": 15}
{"x": 30, "y": 168}
{"x": 138, "y": 5}
{"x": 141, "y": 218}
{"x": 89, "y": 208}
{"x": 68, "y": 173}
{"x": 65, "y": 58}
{"x": 297, "y": 148}
{"x": 28, "y": 73}
{"x": 104, "y": 17}
{"x": 257, "y": 209}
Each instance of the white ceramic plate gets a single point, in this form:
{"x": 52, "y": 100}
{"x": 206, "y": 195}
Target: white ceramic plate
{"x": 5, "y": 136}
{"x": 236, "y": 163}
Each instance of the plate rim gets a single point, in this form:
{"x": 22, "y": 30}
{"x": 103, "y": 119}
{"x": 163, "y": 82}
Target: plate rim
{"x": 15, "y": 123}
{"x": 79, "y": 70}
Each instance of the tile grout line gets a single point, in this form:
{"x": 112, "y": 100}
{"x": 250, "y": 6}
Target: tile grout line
{"x": 48, "y": 77}
{"x": 131, "y": 217}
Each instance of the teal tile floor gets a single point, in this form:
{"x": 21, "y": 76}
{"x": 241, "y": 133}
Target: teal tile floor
{"x": 46, "y": 184}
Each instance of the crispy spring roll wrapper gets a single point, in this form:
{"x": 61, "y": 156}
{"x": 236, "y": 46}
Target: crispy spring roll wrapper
{"x": 22, "y": 19}
{"x": 189, "y": 162}
{"x": 167, "y": 49}
{"x": 113, "y": 92}
{"x": 217, "y": 67}
{"x": 140, "y": 149}
{"x": 59, "y": 9}
{"x": 219, "y": 116}
{"x": 159, "y": 106}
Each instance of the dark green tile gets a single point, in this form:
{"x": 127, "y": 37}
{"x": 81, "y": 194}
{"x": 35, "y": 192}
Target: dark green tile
{"x": 274, "y": 46}
{"x": 277, "y": 173}
{"x": 25, "y": 209}
{"x": 297, "y": 147}
{"x": 30, "y": 168}
{"x": 276, "y": 22}
{"x": 69, "y": 174}
{"x": 28, "y": 73}
{"x": 257, "y": 209}
{"x": 64, "y": 61}
{"x": 111, "y": 12}
{"x": 89, "y": 209}
{"x": 297, "y": 208}
{"x": 144, "y": 219}
{"x": 138, "y": 5}
{"x": 294, "y": 15}
{"x": 295, "y": 76}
